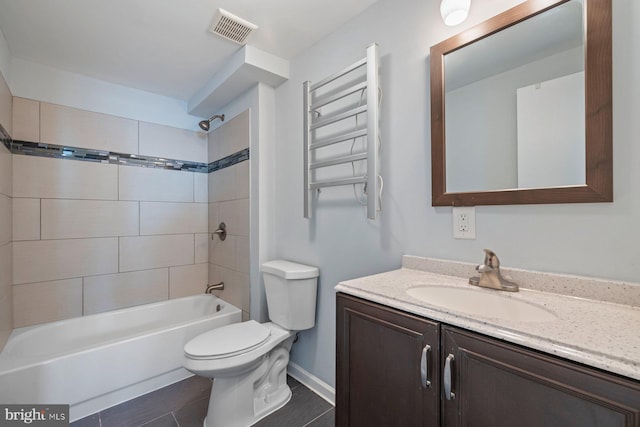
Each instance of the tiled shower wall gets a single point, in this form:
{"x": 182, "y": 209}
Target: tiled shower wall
{"x": 6, "y": 295}
{"x": 93, "y": 237}
{"x": 229, "y": 203}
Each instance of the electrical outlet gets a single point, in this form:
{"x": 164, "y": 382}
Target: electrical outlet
{"x": 464, "y": 223}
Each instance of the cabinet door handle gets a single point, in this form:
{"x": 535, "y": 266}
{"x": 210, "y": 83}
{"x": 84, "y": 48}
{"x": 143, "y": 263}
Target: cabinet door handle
{"x": 448, "y": 394}
{"x": 424, "y": 365}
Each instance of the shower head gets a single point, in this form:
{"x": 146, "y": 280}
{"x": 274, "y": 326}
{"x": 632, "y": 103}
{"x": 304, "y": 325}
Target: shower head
{"x": 205, "y": 124}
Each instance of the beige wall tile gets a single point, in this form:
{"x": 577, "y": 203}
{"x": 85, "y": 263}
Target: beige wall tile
{"x": 188, "y": 280}
{"x": 172, "y": 143}
{"x": 213, "y": 147}
{"x": 6, "y": 267}
{"x": 6, "y": 294}
{"x": 79, "y": 128}
{"x": 236, "y": 288}
{"x": 243, "y": 283}
{"x": 5, "y": 219}
{"x": 221, "y": 185}
{"x": 47, "y": 260}
{"x": 233, "y": 136}
{"x": 155, "y": 185}
{"x": 26, "y": 119}
{"x": 224, "y": 253}
{"x": 241, "y": 184}
{"x": 236, "y": 215}
{"x": 173, "y": 218}
{"x": 35, "y": 303}
{"x": 202, "y": 248}
{"x": 232, "y": 293}
{"x": 6, "y": 171}
{"x": 114, "y": 291}
{"x": 242, "y": 255}
{"x": 201, "y": 187}
{"x": 147, "y": 252}
{"x": 214, "y": 274}
{"x": 6, "y": 319}
{"x": 5, "y": 106}
{"x": 26, "y": 219}
{"x": 39, "y": 177}
{"x": 213, "y": 217}
{"x": 68, "y": 219}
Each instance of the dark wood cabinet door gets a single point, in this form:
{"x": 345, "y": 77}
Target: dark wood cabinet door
{"x": 378, "y": 367}
{"x": 497, "y": 384}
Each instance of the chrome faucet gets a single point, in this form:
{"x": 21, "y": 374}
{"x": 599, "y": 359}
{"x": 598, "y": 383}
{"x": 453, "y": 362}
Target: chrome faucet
{"x": 490, "y": 276}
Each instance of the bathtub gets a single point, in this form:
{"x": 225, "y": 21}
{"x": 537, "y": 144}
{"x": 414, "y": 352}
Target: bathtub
{"x": 94, "y": 362}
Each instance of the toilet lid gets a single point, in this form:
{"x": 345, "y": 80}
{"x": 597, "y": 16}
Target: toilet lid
{"x": 228, "y": 341}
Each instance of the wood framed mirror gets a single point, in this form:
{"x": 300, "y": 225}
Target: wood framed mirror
{"x": 502, "y": 134}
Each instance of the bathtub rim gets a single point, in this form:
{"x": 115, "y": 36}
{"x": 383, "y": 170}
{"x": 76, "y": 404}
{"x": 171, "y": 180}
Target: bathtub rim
{"x": 13, "y": 363}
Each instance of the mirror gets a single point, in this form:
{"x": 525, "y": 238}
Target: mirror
{"x": 521, "y": 107}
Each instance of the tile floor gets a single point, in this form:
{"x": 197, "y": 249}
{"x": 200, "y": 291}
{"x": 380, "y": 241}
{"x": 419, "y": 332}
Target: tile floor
{"x": 184, "y": 404}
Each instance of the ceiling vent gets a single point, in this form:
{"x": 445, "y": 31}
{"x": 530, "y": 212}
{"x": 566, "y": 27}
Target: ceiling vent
{"x": 231, "y": 27}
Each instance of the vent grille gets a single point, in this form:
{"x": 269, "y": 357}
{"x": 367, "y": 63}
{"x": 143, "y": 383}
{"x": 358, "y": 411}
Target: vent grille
{"x": 231, "y": 27}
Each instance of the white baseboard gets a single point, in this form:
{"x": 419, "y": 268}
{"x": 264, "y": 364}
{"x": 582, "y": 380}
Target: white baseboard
{"x": 314, "y": 383}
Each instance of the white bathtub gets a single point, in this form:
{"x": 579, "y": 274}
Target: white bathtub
{"x": 94, "y": 362}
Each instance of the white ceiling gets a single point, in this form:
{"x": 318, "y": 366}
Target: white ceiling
{"x": 160, "y": 46}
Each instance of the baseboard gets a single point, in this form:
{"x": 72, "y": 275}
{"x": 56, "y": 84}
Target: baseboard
{"x": 314, "y": 383}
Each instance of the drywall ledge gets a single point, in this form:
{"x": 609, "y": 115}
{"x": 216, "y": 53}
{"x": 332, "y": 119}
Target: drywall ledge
{"x": 246, "y": 68}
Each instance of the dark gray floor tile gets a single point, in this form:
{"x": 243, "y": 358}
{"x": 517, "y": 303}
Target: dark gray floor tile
{"x": 90, "y": 421}
{"x": 303, "y": 407}
{"x": 193, "y": 414}
{"x": 164, "y": 421}
{"x": 155, "y": 404}
{"x": 292, "y": 382}
{"x": 185, "y": 404}
{"x": 325, "y": 420}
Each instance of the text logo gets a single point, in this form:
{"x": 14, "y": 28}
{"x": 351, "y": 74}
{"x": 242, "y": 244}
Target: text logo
{"x": 34, "y": 415}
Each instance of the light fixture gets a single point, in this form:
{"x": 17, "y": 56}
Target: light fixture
{"x": 454, "y": 12}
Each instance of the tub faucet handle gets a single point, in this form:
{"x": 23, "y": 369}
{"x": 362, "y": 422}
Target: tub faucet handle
{"x": 221, "y": 231}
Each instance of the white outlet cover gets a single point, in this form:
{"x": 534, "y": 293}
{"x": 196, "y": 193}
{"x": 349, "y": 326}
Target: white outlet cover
{"x": 464, "y": 229}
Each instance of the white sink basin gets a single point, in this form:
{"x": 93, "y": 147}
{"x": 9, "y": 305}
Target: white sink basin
{"x": 481, "y": 303}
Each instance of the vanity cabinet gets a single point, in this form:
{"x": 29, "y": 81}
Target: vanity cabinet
{"x": 504, "y": 385}
{"x": 475, "y": 380}
{"x": 387, "y": 365}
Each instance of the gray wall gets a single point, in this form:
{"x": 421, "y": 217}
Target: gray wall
{"x": 597, "y": 240}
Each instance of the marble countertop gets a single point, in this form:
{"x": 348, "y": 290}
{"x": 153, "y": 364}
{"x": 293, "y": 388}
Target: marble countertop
{"x": 604, "y": 335}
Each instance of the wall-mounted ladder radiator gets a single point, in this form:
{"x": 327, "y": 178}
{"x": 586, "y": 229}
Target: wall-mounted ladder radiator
{"x": 313, "y": 121}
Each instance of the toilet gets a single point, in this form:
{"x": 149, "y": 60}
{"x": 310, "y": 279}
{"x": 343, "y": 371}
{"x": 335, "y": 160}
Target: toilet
{"x": 248, "y": 361}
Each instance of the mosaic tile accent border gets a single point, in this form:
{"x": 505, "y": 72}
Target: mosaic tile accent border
{"x": 5, "y": 138}
{"x": 28, "y": 148}
{"x": 87, "y": 155}
{"x": 230, "y": 160}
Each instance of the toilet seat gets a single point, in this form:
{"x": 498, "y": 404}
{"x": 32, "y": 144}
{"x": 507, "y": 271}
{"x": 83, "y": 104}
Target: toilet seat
{"x": 227, "y": 341}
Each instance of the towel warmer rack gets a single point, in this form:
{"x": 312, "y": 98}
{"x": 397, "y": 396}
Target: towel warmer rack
{"x": 313, "y": 121}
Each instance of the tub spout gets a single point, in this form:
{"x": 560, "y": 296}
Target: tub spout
{"x": 214, "y": 287}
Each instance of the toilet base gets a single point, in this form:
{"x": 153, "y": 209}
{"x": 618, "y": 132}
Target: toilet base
{"x": 243, "y": 400}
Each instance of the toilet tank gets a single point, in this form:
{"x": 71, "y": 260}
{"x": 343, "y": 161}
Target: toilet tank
{"x": 291, "y": 290}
